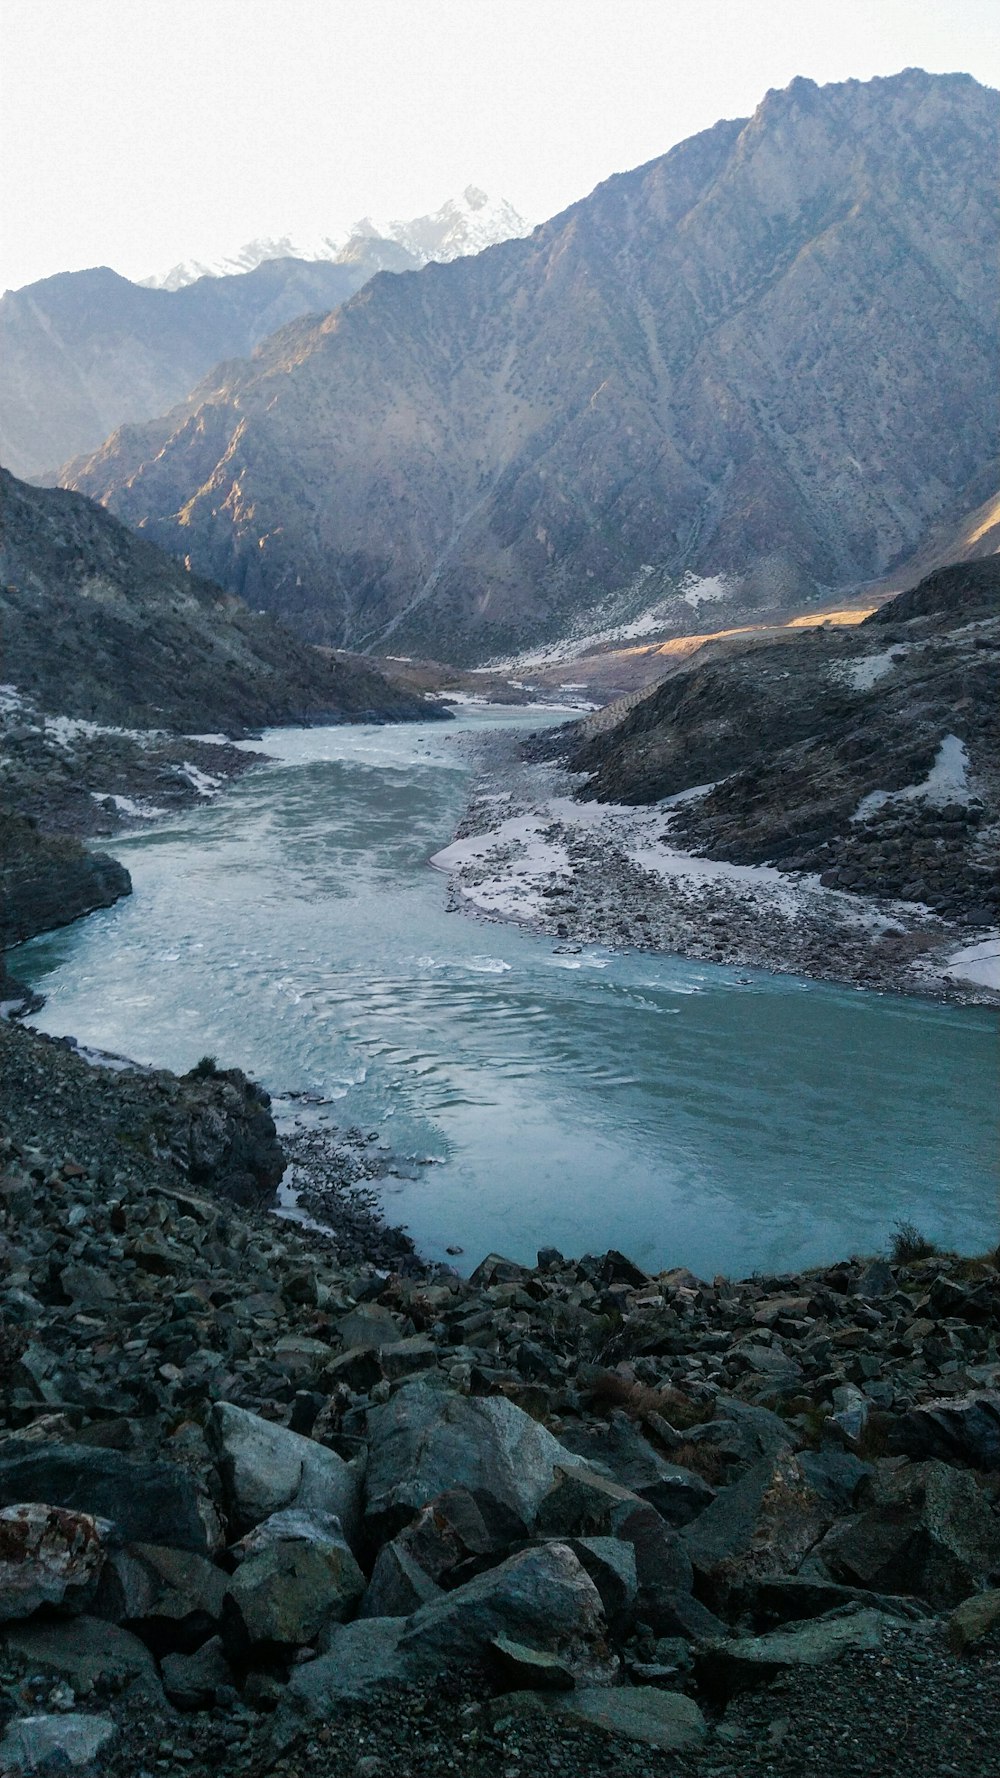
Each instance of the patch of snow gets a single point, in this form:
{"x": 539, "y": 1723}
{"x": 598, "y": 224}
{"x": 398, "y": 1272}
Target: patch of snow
{"x": 946, "y": 782}
{"x": 979, "y": 962}
{"x": 203, "y": 782}
{"x": 865, "y": 670}
{"x": 128, "y": 805}
{"x": 697, "y": 591}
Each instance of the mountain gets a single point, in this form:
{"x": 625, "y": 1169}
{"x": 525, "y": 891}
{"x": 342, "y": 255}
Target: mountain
{"x": 465, "y": 224}
{"x": 755, "y": 370}
{"x": 869, "y": 754}
{"x": 85, "y": 352}
{"x": 99, "y": 624}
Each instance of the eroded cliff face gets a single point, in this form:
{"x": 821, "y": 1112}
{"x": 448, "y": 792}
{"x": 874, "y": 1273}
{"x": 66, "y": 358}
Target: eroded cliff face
{"x": 766, "y": 357}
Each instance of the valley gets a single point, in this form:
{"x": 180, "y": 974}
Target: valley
{"x": 500, "y": 929}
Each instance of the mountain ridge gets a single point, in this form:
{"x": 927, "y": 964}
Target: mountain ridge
{"x": 762, "y": 357}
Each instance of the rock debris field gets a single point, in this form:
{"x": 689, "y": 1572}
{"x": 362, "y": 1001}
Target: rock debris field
{"x": 274, "y": 1500}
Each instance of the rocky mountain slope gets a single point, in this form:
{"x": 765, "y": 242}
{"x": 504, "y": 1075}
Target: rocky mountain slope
{"x": 870, "y": 755}
{"x": 100, "y": 624}
{"x": 462, "y": 225}
{"x": 757, "y": 367}
{"x": 85, "y": 352}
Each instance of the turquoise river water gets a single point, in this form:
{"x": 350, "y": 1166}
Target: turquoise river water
{"x": 687, "y": 1114}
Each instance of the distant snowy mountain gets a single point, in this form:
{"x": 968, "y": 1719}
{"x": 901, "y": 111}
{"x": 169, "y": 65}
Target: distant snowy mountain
{"x": 463, "y": 225}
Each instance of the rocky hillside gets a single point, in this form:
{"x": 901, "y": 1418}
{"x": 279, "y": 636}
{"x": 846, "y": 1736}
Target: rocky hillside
{"x": 100, "y": 624}
{"x": 267, "y": 1506}
{"x": 755, "y": 368}
{"x": 869, "y": 754}
{"x": 85, "y": 352}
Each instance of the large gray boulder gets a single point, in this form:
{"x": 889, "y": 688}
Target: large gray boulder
{"x": 48, "y": 1556}
{"x": 426, "y": 1440}
{"x": 665, "y": 1720}
{"x": 964, "y": 1427}
{"x": 542, "y": 1599}
{"x": 171, "y": 1598}
{"x": 266, "y": 1468}
{"x": 148, "y": 1502}
{"x": 928, "y": 1529}
{"x": 87, "y": 1652}
{"x": 360, "y": 1658}
{"x": 55, "y": 1743}
{"x": 742, "y": 1663}
{"x": 296, "y": 1574}
{"x": 765, "y": 1523}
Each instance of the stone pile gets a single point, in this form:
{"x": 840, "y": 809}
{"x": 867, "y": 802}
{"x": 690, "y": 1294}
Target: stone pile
{"x": 248, "y": 1476}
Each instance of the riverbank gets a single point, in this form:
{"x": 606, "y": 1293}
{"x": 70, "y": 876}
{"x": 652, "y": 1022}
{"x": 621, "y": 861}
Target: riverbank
{"x": 562, "y": 1516}
{"x": 609, "y": 874}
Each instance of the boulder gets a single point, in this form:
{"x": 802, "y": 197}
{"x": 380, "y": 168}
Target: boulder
{"x": 612, "y": 1567}
{"x": 426, "y": 1440}
{"x": 88, "y": 1653}
{"x": 964, "y": 1427}
{"x": 665, "y": 1720}
{"x": 742, "y": 1663}
{"x": 195, "y": 1681}
{"x": 765, "y": 1523}
{"x": 973, "y": 1619}
{"x": 665, "y": 1577}
{"x": 581, "y": 1503}
{"x": 743, "y": 1432}
{"x": 787, "y": 1598}
{"x": 447, "y": 1533}
{"x": 620, "y": 1449}
{"x": 398, "y": 1585}
{"x": 266, "y": 1468}
{"x": 358, "y": 1659}
{"x": 296, "y": 1574}
{"x": 148, "y": 1502}
{"x": 48, "y": 1556}
{"x": 542, "y": 1597}
{"x": 55, "y": 1743}
{"x": 929, "y": 1530}
{"x": 172, "y": 1599}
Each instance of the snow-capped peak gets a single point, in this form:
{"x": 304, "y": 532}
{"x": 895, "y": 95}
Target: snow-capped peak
{"x": 466, "y": 224}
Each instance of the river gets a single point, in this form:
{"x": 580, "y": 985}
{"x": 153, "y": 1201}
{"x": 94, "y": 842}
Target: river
{"x": 687, "y": 1114}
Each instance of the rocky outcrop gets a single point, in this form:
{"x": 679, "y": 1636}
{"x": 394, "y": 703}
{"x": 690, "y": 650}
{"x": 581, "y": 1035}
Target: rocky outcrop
{"x": 49, "y": 880}
{"x": 755, "y": 368}
{"x": 868, "y": 755}
{"x": 99, "y": 624}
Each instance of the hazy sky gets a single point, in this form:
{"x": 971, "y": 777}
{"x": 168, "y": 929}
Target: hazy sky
{"x": 135, "y": 133}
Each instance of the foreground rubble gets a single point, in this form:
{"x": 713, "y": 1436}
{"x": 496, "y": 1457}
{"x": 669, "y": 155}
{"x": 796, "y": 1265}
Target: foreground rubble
{"x": 269, "y": 1507}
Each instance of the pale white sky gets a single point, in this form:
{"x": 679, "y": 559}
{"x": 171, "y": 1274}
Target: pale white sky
{"x": 135, "y": 133}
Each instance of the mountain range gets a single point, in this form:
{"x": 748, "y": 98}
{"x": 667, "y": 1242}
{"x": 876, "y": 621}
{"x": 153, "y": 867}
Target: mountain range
{"x": 462, "y": 225}
{"x": 83, "y": 353}
{"x": 754, "y": 370}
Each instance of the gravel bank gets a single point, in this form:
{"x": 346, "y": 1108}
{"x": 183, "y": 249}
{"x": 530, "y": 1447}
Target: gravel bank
{"x": 613, "y": 875}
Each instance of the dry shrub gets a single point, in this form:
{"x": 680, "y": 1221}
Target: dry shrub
{"x": 641, "y": 1400}
{"x": 907, "y": 1244}
{"x": 704, "y": 1459}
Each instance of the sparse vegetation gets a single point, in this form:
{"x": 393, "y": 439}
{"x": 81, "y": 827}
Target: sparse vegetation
{"x": 206, "y": 1069}
{"x": 908, "y": 1244}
